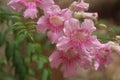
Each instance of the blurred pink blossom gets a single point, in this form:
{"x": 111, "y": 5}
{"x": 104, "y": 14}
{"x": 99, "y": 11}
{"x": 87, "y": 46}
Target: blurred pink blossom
{"x": 70, "y": 61}
{"x": 103, "y": 55}
{"x": 53, "y": 20}
{"x": 28, "y": 12}
{"x": 76, "y": 35}
{"x": 30, "y": 6}
{"x": 90, "y": 15}
{"x": 80, "y": 6}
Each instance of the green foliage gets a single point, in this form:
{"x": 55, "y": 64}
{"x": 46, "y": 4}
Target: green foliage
{"x": 8, "y": 78}
{"x": 10, "y": 47}
{"x": 19, "y": 64}
{"x": 41, "y": 61}
{"x": 5, "y": 13}
{"x": 22, "y": 47}
{"x": 2, "y": 38}
{"x": 45, "y": 74}
{"x": 116, "y": 30}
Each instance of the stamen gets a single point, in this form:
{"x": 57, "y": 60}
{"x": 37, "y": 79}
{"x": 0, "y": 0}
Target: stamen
{"x": 56, "y": 20}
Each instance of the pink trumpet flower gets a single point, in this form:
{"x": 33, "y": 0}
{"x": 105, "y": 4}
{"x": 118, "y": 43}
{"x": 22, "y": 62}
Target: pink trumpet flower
{"x": 76, "y": 35}
{"x": 30, "y": 6}
{"x": 70, "y": 61}
{"x": 103, "y": 55}
{"x": 53, "y": 21}
{"x": 80, "y": 6}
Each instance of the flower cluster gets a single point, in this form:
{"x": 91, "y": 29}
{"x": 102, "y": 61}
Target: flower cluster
{"x": 71, "y": 30}
{"x": 30, "y": 6}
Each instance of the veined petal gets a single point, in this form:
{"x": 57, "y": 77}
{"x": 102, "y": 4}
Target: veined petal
{"x": 80, "y": 6}
{"x": 88, "y": 25}
{"x": 15, "y": 5}
{"x": 69, "y": 70}
{"x": 41, "y": 24}
{"x": 52, "y": 10}
{"x": 70, "y": 61}
{"x": 63, "y": 44}
{"x": 71, "y": 25}
{"x": 55, "y": 59}
{"x": 30, "y": 13}
{"x": 66, "y": 13}
{"x": 44, "y": 4}
{"x": 53, "y": 36}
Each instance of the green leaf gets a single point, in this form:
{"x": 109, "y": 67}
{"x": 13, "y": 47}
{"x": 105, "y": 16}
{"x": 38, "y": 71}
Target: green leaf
{"x": 48, "y": 46}
{"x": 31, "y": 72}
{"x": 8, "y": 78}
{"x": 31, "y": 36}
{"x": 2, "y": 38}
{"x": 5, "y": 14}
{"x": 40, "y": 36}
{"x": 22, "y": 31}
{"x": 45, "y": 74}
{"x": 18, "y": 26}
{"x": 5, "y": 10}
{"x": 2, "y": 73}
{"x": 38, "y": 49}
{"x": 3, "y": 35}
{"x": 15, "y": 17}
{"x": 116, "y": 30}
{"x": 34, "y": 48}
{"x": 20, "y": 66}
{"x": 19, "y": 38}
{"x": 30, "y": 48}
{"x": 31, "y": 78}
{"x": 41, "y": 61}
{"x": 30, "y": 24}
{"x": 9, "y": 50}
{"x": 9, "y": 29}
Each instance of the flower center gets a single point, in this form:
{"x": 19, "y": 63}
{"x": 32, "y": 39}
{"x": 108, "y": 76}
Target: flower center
{"x": 56, "y": 20}
{"x": 103, "y": 53}
{"x": 29, "y": 0}
{"x": 70, "y": 54}
{"x": 79, "y": 36}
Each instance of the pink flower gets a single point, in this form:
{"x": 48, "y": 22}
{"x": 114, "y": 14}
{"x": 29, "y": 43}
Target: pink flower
{"x": 30, "y": 6}
{"x": 115, "y": 47}
{"x": 15, "y": 5}
{"x": 76, "y": 36}
{"x": 44, "y": 4}
{"x": 28, "y": 12}
{"x": 80, "y": 6}
{"x": 53, "y": 36}
{"x": 85, "y": 15}
{"x": 70, "y": 61}
{"x": 90, "y": 15}
{"x": 103, "y": 55}
{"x": 53, "y": 21}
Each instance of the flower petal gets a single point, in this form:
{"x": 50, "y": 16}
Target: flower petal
{"x": 55, "y": 59}
{"x": 53, "y": 36}
{"x": 66, "y": 13}
{"x": 63, "y": 44}
{"x": 41, "y": 24}
{"x": 15, "y": 5}
{"x": 88, "y": 25}
{"x": 44, "y": 4}
{"x": 30, "y": 13}
{"x": 71, "y": 25}
{"x": 68, "y": 70}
